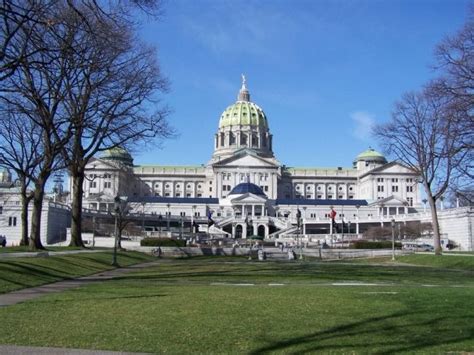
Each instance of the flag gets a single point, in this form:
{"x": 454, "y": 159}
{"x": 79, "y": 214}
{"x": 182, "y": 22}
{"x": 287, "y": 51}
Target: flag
{"x": 298, "y": 217}
{"x": 210, "y": 221}
{"x": 332, "y": 214}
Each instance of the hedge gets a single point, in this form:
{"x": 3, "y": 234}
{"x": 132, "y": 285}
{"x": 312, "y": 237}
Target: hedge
{"x": 162, "y": 242}
{"x": 367, "y": 244}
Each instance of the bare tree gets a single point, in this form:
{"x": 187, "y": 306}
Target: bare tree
{"x": 420, "y": 136}
{"x": 20, "y": 151}
{"x": 110, "y": 95}
{"x": 455, "y": 84}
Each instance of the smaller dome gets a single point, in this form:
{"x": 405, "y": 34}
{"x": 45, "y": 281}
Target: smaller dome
{"x": 247, "y": 187}
{"x": 371, "y": 155}
{"x": 118, "y": 154}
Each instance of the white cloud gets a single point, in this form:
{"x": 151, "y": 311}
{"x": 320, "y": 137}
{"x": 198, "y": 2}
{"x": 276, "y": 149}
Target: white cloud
{"x": 363, "y": 124}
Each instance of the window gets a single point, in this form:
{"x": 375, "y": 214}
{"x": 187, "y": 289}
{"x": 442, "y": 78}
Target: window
{"x": 379, "y": 179}
{"x": 409, "y": 188}
{"x": 380, "y": 188}
{"x": 313, "y": 215}
{"x": 351, "y": 188}
{"x": 167, "y": 194}
{"x": 394, "y": 179}
{"x": 188, "y": 195}
{"x": 178, "y": 194}
{"x": 320, "y": 196}
{"x": 199, "y": 195}
{"x": 189, "y": 186}
{"x": 340, "y": 188}
{"x": 340, "y": 197}
{"x": 210, "y": 189}
{"x": 410, "y": 180}
{"x": 410, "y": 201}
{"x": 394, "y": 188}
{"x": 308, "y": 196}
{"x": 1, "y": 209}
{"x": 93, "y": 184}
{"x": 177, "y": 186}
{"x": 308, "y": 188}
{"x": 329, "y": 188}
{"x": 199, "y": 186}
{"x": 11, "y": 221}
{"x": 182, "y": 214}
{"x": 319, "y": 188}
{"x": 297, "y": 187}
{"x": 329, "y": 196}
{"x": 266, "y": 189}
{"x": 107, "y": 185}
{"x": 167, "y": 186}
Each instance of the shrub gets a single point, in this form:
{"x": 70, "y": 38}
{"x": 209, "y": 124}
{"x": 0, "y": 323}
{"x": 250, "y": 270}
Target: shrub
{"x": 162, "y": 242}
{"x": 367, "y": 244}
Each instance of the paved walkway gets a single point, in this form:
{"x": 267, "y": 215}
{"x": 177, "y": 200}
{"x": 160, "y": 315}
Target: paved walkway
{"x": 8, "y": 299}
{"x": 31, "y": 350}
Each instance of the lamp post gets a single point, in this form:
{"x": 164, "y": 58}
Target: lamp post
{"x": 160, "y": 218}
{"x": 393, "y": 239}
{"x": 143, "y": 217}
{"x": 181, "y": 221}
{"x": 116, "y": 211}
{"x": 169, "y": 216}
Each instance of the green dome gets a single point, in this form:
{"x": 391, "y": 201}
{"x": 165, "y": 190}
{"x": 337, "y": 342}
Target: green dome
{"x": 371, "y": 155}
{"x": 243, "y": 113}
{"x": 118, "y": 154}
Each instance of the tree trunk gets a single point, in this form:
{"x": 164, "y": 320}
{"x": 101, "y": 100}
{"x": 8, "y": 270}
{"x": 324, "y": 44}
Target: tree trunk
{"x": 76, "y": 208}
{"x": 434, "y": 221}
{"x": 35, "y": 236}
{"x": 24, "y": 215}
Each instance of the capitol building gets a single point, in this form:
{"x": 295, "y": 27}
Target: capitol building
{"x": 246, "y": 191}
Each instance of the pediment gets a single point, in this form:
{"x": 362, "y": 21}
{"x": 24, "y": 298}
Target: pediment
{"x": 391, "y": 168}
{"x": 249, "y": 198}
{"x": 391, "y": 201}
{"x": 247, "y": 160}
{"x": 99, "y": 164}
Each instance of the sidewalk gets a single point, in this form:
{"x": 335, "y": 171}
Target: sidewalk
{"x": 27, "y": 294}
{"x": 30, "y": 350}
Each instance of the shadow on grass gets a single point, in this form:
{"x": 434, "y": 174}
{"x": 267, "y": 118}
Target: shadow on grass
{"x": 345, "y": 337}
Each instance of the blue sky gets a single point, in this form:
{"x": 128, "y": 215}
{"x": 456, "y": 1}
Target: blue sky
{"x": 323, "y": 71}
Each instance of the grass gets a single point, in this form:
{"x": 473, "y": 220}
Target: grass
{"x": 18, "y": 273}
{"x": 458, "y": 262}
{"x": 202, "y": 306}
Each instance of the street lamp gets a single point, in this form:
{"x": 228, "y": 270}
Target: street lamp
{"x": 143, "y": 217}
{"x": 393, "y": 239}
{"x": 116, "y": 211}
{"x": 169, "y": 216}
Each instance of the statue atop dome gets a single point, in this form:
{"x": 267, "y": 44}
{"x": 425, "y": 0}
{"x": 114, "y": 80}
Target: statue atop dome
{"x": 244, "y": 81}
{"x": 244, "y": 94}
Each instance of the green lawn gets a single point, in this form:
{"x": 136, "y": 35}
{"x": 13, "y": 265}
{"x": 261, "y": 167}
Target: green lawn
{"x": 230, "y": 305}
{"x": 18, "y": 273}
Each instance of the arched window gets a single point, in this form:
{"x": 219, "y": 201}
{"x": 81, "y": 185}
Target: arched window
{"x": 243, "y": 139}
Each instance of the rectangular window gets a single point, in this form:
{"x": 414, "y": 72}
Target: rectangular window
{"x": 394, "y": 188}
{"x": 107, "y": 185}
{"x": 210, "y": 189}
{"x": 379, "y": 179}
{"x": 93, "y": 184}
{"x": 188, "y": 195}
{"x": 308, "y": 196}
{"x": 320, "y": 196}
{"x": 1, "y": 209}
{"x": 409, "y": 188}
{"x": 410, "y": 201}
{"x": 394, "y": 179}
{"x": 11, "y": 221}
{"x": 380, "y": 188}
{"x": 199, "y": 195}
{"x": 329, "y": 196}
